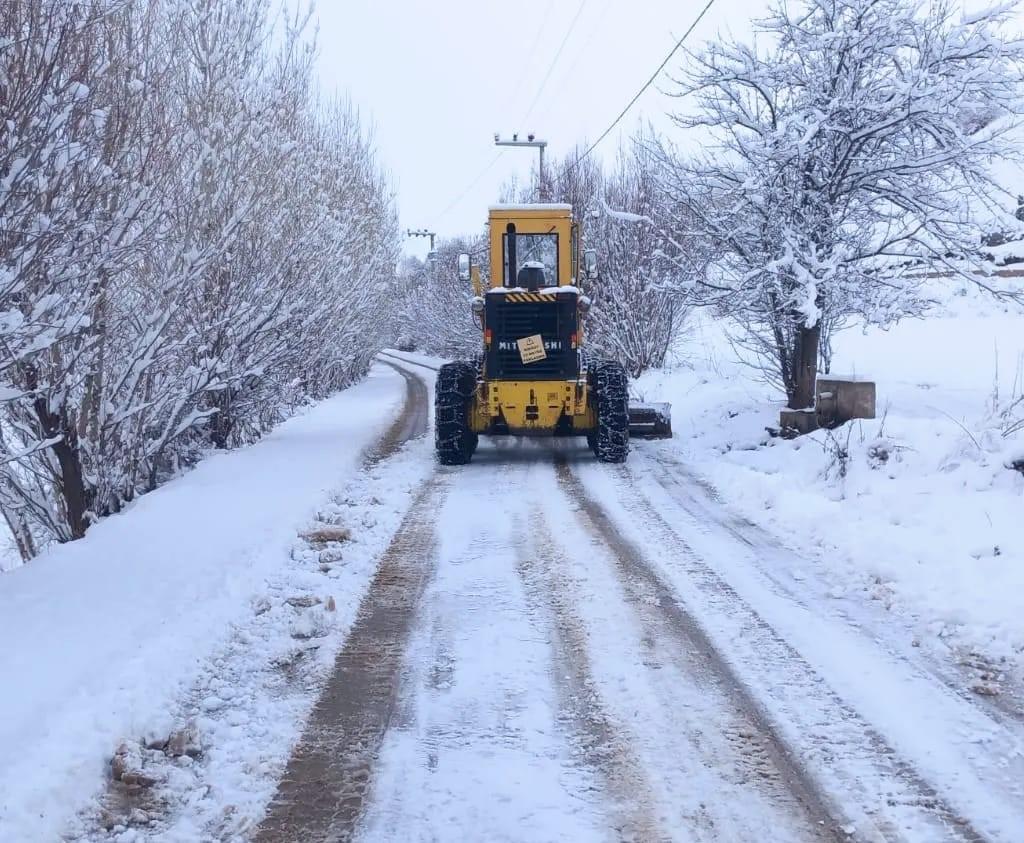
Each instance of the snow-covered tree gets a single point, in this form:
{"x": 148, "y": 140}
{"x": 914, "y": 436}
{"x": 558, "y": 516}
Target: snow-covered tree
{"x": 435, "y": 310}
{"x": 191, "y": 244}
{"x": 839, "y": 156}
{"x": 640, "y": 297}
{"x": 76, "y": 210}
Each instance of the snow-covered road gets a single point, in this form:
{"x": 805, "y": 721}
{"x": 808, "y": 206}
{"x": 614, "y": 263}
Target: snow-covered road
{"x": 366, "y": 645}
{"x": 553, "y": 649}
{"x": 545, "y": 696}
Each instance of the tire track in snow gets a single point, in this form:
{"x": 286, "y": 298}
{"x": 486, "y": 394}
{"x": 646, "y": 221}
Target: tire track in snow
{"x": 602, "y": 742}
{"x": 478, "y": 749}
{"x": 831, "y": 754}
{"x": 328, "y": 778}
{"x": 719, "y": 731}
{"x": 702, "y": 501}
{"x": 192, "y": 802}
{"x": 388, "y": 356}
{"x": 411, "y": 423}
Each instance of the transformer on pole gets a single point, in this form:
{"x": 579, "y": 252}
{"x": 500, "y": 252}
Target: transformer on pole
{"x": 531, "y": 141}
{"x": 422, "y": 232}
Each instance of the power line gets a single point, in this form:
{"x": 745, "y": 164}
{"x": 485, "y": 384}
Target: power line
{"x": 646, "y": 85}
{"x": 519, "y": 85}
{"x": 469, "y": 187}
{"x": 611, "y": 126}
{"x": 554, "y": 61}
{"x": 579, "y": 55}
{"x": 533, "y": 50}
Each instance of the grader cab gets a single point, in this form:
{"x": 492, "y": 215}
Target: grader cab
{"x": 534, "y": 377}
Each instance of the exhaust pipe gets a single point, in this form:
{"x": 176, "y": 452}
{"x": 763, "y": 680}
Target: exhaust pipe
{"x": 513, "y": 268}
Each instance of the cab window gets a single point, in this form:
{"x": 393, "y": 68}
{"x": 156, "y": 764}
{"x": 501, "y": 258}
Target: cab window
{"x": 532, "y": 248}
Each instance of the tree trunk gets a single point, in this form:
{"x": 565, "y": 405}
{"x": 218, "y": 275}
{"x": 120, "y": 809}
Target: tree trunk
{"x": 22, "y": 535}
{"x": 805, "y": 367}
{"x": 221, "y": 423}
{"x": 71, "y": 482}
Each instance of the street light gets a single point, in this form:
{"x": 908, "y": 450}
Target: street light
{"x": 531, "y": 141}
{"x": 422, "y": 232}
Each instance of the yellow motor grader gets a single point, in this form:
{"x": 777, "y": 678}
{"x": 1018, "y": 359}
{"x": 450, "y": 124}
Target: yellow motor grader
{"x": 534, "y": 377}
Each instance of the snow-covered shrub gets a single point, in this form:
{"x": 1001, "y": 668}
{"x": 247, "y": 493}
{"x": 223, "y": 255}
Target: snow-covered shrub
{"x": 836, "y": 444}
{"x": 191, "y": 244}
{"x": 434, "y": 312}
{"x": 1007, "y": 415}
{"x": 640, "y": 300}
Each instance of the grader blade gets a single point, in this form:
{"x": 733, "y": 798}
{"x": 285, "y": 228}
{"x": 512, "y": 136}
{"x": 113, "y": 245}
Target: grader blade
{"x": 650, "y": 420}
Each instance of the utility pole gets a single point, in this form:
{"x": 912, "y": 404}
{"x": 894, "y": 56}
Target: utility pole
{"x": 530, "y": 141}
{"x": 422, "y": 232}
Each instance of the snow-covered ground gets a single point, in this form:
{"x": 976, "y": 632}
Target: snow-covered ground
{"x": 915, "y": 511}
{"x": 729, "y": 633}
{"x": 610, "y": 652}
{"x": 190, "y": 610}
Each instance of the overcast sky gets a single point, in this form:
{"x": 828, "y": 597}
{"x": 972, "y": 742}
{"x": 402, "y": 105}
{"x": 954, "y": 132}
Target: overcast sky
{"x": 438, "y": 79}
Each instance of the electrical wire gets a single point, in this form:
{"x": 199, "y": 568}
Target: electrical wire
{"x": 469, "y": 187}
{"x": 579, "y": 55}
{"x": 533, "y": 50}
{"x": 646, "y": 85}
{"x": 554, "y": 62}
{"x": 603, "y": 134}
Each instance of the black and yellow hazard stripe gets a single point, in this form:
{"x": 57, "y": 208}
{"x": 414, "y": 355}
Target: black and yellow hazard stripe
{"x": 524, "y": 297}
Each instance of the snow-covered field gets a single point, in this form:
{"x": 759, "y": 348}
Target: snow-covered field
{"x": 915, "y": 511}
{"x": 188, "y": 611}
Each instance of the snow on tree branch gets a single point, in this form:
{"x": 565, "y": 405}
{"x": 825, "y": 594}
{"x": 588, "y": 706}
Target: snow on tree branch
{"x": 845, "y": 159}
{"x": 189, "y": 240}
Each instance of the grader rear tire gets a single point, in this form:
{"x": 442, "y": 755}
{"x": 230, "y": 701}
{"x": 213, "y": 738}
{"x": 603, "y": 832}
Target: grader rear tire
{"x": 610, "y": 388}
{"x": 454, "y": 441}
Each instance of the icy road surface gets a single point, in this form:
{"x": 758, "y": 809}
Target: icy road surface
{"x": 553, "y": 649}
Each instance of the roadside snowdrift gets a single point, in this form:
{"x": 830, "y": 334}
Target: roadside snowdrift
{"x": 101, "y": 636}
{"x": 916, "y": 509}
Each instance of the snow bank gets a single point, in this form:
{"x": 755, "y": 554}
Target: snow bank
{"x": 917, "y": 510}
{"x": 100, "y": 637}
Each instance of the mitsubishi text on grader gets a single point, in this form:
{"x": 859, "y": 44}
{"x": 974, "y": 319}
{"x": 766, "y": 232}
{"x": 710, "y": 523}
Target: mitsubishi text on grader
{"x": 534, "y": 377}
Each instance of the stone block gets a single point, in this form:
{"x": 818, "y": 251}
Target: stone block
{"x": 841, "y": 399}
{"x": 797, "y": 422}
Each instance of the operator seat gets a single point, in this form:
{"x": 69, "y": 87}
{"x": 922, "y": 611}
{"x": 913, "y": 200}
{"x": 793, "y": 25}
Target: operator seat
{"x": 531, "y": 276}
